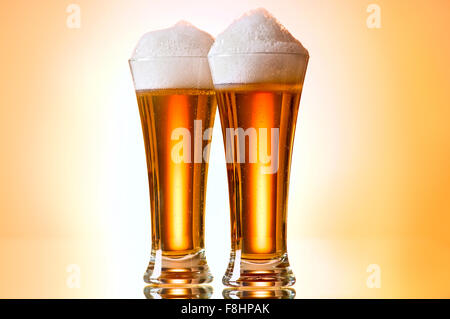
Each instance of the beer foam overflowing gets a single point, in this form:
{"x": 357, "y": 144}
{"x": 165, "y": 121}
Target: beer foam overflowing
{"x": 172, "y": 58}
{"x": 257, "y": 48}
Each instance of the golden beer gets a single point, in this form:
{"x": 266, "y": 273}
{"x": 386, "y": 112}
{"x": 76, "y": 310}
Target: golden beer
{"x": 258, "y": 189}
{"x": 258, "y": 197}
{"x": 177, "y": 186}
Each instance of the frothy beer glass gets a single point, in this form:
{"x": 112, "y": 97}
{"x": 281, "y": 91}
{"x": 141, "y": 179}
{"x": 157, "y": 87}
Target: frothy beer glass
{"x": 258, "y": 70}
{"x": 177, "y": 106}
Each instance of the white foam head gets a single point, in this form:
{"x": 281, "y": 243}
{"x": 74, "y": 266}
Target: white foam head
{"x": 172, "y": 58}
{"x": 257, "y": 48}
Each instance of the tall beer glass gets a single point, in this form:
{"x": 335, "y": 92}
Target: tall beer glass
{"x": 258, "y": 96}
{"x": 177, "y": 116}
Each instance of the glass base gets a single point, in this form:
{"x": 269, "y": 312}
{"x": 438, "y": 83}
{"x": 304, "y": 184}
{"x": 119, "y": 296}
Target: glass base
{"x": 260, "y": 273}
{"x": 177, "y": 270}
{"x": 178, "y": 292}
{"x": 258, "y": 293}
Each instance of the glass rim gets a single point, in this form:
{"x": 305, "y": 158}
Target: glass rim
{"x": 258, "y": 53}
{"x": 160, "y": 57}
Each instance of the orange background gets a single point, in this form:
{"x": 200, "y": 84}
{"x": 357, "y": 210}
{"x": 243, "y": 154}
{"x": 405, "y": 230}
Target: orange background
{"x": 370, "y": 179}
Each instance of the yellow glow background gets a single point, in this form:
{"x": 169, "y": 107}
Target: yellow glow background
{"x": 370, "y": 181}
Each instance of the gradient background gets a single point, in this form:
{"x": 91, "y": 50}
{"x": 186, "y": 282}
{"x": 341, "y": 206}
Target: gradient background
{"x": 370, "y": 179}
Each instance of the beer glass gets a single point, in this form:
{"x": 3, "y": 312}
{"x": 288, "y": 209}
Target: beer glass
{"x": 177, "y": 119}
{"x": 258, "y": 113}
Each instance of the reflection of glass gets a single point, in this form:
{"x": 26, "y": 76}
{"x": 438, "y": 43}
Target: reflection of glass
{"x": 176, "y": 120}
{"x": 258, "y": 120}
{"x": 252, "y": 293}
{"x": 178, "y": 292}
